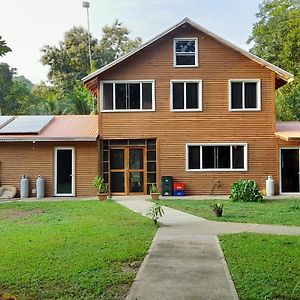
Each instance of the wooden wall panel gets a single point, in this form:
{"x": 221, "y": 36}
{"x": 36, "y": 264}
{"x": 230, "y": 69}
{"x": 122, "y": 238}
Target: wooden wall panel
{"x": 217, "y": 64}
{"x": 38, "y": 159}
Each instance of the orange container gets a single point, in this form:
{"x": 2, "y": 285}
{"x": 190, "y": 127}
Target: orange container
{"x": 178, "y": 186}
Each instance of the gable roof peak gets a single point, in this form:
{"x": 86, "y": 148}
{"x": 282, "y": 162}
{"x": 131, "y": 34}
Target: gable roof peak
{"x": 280, "y": 73}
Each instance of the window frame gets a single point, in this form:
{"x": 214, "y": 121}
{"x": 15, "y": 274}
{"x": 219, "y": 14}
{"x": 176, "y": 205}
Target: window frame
{"x": 114, "y": 82}
{"x": 258, "y": 94}
{"x": 245, "y": 169}
{"x": 199, "y": 81}
{"x": 196, "y": 52}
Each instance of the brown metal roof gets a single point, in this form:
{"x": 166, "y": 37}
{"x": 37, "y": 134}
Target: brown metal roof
{"x": 62, "y": 128}
{"x": 288, "y": 130}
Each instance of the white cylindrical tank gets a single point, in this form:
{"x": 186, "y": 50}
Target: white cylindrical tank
{"x": 24, "y": 190}
{"x": 40, "y": 187}
{"x": 270, "y": 186}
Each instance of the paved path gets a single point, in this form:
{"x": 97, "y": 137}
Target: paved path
{"x": 185, "y": 260}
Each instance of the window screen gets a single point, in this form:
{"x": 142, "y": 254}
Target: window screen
{"x": 185, "y": 52}
{"x": 250, "y": 95}
{"x": 178, "y": 95}
{"x": 194, "y": 157}
{"x": 236, "y": 95}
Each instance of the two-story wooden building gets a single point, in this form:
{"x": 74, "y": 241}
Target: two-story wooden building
{"x": 194, "y": 106}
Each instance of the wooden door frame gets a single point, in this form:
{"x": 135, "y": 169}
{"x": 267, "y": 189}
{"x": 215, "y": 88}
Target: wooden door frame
{"x": 72, "y": 194}
{"x": 127, "y": 170}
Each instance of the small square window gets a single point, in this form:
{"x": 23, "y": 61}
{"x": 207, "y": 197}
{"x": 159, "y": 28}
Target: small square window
{"x": 186, "y": 95}
{"x": 186, "y": 52}
{"x": 244, "y": 95}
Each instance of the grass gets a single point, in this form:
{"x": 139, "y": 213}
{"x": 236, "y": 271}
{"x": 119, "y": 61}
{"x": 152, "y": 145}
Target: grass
{"x": 263, "y": 266}
{"x": 71, "y": 250}
{"x": 285, "y": 212}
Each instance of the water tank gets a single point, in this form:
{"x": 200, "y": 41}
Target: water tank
{"x": 270, "y": 186}
{"x": 24, "y": 190}
{"x": 40, "y": 187}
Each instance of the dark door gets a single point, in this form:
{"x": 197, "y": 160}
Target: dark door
{"x": 117, "y": 170}
{"x": 64, "y": 172}
{"x": 290, "y": 171}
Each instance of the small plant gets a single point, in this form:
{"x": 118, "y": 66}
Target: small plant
{"x": 245, "y": 191}
{"x": 155, "y": 212}
{"x": 295, "y": 205}
{"x": 154, "y": 192}
{"x": 101, "y": 187}
{"x": 154, "y": 189}
{"x": 218, "y": 209}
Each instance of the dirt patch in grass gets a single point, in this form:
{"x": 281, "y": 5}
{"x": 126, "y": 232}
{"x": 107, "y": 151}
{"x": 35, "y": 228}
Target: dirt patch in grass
{"x": 16, "y": 214}
{"x": 130, "y": 267}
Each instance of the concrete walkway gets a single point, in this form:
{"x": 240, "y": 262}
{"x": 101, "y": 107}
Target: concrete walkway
{"x": 185, "y": 260}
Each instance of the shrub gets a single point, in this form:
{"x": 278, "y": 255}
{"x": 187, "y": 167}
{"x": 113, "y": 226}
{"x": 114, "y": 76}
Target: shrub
{"x": 245, "y": 191}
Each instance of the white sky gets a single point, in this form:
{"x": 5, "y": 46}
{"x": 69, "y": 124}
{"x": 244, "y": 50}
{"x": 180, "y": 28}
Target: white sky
{"x": 28, "y": 25}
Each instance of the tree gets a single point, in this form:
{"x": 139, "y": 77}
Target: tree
{"x": 276, "y": 38}
{"x": 3, "y": 47}
{"x": 6, "y": 82}
{"x": 69, "y": 62}
{"x": 80, "y": 101}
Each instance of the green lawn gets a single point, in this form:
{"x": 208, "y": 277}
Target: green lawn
{"x": 286, "y": 212}
{"x": 263, "y": 266}
{"x": 71, "y": 250}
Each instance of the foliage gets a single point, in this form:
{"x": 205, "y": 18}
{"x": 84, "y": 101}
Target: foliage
{"x": 3, "y": 47}
{"x": 266, "y": 212}
{"x": 154, "y": 189}
{"x": 218, "y": 206}
{"x": 6, "y": 83}
{"x": 80, "y": 101}
{"x": 69, "y": 61}
{"x": 245, "y": 190}
{"x": 100, "y": 185}
{"x": 80, "y": 249}
{"x": 155, "y": 212}
{"x": 263, "y": 266}
{"x": 276, "y": 38}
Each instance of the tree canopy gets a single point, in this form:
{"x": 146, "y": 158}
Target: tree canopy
{"x": 3, "y": 47}
{"x": 69, "y": 63}
{"x": 276, "y": 38}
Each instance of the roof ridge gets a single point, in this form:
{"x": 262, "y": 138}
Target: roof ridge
{"x": 286, "y": 76}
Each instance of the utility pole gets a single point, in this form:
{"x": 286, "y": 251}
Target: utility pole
{"x": 86, "y": 4}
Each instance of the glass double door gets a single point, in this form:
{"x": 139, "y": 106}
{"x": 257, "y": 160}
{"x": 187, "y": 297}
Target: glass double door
{"x": 127, "y": 170}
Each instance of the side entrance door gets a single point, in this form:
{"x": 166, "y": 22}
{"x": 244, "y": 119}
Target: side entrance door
{"x": 127, "y": 170}
{"x": 290, "y": 170}
{"x": 64, "y": 171}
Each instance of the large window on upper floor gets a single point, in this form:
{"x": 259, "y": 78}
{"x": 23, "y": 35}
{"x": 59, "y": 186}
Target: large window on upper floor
{"x": 216, "y": 157}
{"x": 244, "y": 95}
{"x": 127, "y": 96}
{"x": 186, "y": 95}
{"x": 186, "y": 52}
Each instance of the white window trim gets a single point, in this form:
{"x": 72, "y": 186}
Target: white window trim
{"x": 199, "y": 81}
{"x": 217, "y": 170}
{"x": 258, "y": 94}
{"x": 114, "y": 96}
{"x": 196, "y": 52}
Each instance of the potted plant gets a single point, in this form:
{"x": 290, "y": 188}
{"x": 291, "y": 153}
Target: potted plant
{"x": 154, "y": 192}
{"x": 101, "y": 187}
{"x": 218, "y": 209}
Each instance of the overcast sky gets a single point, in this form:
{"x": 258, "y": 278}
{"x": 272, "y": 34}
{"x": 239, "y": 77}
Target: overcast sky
{"x": 28, "y": 25}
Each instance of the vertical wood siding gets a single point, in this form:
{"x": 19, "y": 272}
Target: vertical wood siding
{"x": 38, "y": 159}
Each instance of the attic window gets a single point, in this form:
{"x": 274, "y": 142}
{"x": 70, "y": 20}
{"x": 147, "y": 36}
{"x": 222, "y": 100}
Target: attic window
{"x": 186, "y": 52}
